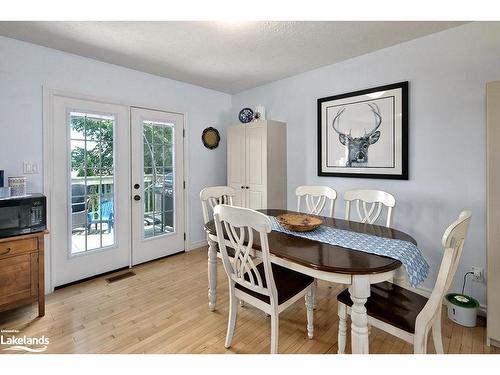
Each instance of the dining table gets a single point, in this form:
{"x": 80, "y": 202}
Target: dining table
{"x": 353, "y": 268}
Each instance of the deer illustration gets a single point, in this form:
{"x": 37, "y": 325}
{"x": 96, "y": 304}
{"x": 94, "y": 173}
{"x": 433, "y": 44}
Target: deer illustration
{"x": 357, "y": 147}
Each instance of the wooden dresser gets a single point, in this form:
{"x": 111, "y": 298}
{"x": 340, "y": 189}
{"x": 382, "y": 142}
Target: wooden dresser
{"x": 22, "y": 279}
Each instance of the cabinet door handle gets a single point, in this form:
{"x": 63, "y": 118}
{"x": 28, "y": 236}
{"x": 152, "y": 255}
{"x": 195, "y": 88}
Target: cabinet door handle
{"x": 247, "y": 187}
{"x": 6, "y": 252}
{"x": 242, "y": 187}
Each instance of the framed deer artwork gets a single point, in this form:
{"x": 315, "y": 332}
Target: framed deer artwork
{"x": 364, "y": 133}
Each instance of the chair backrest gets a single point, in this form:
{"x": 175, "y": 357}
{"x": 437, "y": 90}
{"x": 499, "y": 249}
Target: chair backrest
{"x": 238, "y": 225}
{"x": 316, "y": 198}
{"x": 106, "y": 208}
{"x": 453, "y": 243}
{"x": 375, "y": 199}
{"x": 212, "y": 196}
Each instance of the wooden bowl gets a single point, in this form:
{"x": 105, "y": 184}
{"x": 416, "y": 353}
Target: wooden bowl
{"x": 299, "y": 222}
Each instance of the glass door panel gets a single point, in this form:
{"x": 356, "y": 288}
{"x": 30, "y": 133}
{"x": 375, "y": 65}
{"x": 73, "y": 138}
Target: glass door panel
{"x": 92, "y": 181}
{"x": 158, "y": 178}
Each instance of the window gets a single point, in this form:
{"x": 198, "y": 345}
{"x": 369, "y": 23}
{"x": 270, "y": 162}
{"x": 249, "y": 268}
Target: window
{"x": 92, "y": 181}
{"x": 158, "y": 178}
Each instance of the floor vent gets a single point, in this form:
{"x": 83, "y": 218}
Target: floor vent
{"x": 119, "y": 277}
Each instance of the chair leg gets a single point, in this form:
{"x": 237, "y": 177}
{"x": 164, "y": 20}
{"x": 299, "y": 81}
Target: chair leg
{"x": 310, "y": 312}
{"x": 233, "y": 311}
{"x": 436, "y": 334}
{"x": 342, "y": 337}
{"x": 314, "y": 290}
{"x": 212, "y": 274}
{"x": 420, "y": 342}
{"x": 274, "y": 332}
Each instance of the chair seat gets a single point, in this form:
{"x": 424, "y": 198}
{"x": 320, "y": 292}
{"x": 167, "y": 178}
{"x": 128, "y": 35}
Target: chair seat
{"x": 391, "y": 304}
{"x": 288, "y": 283}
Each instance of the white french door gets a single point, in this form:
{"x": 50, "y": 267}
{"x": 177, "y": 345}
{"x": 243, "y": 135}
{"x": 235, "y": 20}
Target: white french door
{"x": 89, "y": 188}
{"x": 157, "y": 184}
{"x": 116, "y": 187}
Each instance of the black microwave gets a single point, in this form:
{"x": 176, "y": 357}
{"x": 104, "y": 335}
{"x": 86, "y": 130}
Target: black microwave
{"x": 23, "y": 215}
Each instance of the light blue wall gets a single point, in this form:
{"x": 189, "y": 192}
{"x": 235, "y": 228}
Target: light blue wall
{"x": 25, "y": 68}
{"x": 447, "y": 73}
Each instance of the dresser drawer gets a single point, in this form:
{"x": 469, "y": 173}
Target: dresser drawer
{"x": 15, "y": 247}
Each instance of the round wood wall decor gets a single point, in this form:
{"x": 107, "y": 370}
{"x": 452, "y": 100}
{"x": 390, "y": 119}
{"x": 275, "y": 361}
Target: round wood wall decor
{"x": 210, "y": 138}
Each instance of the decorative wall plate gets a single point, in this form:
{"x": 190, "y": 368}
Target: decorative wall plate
{"x": 246, "y": 115}
{"x": 210, "y": 138}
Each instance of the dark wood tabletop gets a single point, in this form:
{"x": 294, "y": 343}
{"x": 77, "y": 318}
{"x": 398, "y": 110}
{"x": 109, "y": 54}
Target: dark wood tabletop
{"x": 330, "y": 258}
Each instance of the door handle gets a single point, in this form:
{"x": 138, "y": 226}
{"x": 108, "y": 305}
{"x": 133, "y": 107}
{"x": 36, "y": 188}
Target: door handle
{"x": 137, "y": 197}
{"x": 137, "y": 186}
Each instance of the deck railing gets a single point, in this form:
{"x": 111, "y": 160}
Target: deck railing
{"x": 103, "y": 185}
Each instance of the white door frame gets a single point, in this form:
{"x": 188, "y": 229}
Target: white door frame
{"x": 48, "y": 94}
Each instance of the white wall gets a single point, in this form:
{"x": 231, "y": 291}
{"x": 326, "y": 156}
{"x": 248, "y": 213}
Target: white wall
{"x": 25, "y": 67}
{"x": 447, "y": 73}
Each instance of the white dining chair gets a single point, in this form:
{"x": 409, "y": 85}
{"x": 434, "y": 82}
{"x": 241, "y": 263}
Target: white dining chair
{"x": 214, "y": 195}
{"x": 315, "y": 198}
{"x": 266, "y": 286}
{"x": 404, "y": 313}
{"x": 369, "y": 204}
{"x": 211, "y": 197}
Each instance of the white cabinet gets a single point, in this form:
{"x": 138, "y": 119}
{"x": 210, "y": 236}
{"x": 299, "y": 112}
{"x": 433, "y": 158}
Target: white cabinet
{"x": 256, "y": 164}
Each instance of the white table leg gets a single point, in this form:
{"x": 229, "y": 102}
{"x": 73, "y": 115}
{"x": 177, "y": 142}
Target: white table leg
{"x": 212, "y": 273}
{"x": 360, "y": 291}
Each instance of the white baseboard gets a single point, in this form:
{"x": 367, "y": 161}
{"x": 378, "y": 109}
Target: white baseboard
{"x": 196, "y": 245}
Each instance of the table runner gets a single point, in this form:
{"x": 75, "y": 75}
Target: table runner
{"x": 406, "y": 252}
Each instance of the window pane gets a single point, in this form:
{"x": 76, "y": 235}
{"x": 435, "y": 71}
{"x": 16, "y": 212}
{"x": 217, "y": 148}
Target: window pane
{"x": 158, "y": 179}
{"x": 77, "y": 127}
{"x": 92, "y": 181}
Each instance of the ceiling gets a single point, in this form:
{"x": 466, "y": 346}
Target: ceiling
{"x": 224, "y": 56}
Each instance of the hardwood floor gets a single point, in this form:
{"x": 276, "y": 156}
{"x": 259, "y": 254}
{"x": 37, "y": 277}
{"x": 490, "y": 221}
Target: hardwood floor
{"x": 163, "y": 309}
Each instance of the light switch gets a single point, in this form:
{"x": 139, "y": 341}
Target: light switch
{"x": 30, "y": 167}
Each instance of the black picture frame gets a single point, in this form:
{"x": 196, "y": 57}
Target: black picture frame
{"x": 404, "y": 173}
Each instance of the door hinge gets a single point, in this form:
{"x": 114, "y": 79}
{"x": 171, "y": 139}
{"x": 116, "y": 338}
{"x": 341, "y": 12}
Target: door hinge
{"x": 183, "y": 133}
{"x": 184, "y": 236}
{"x": 184, "y": 184}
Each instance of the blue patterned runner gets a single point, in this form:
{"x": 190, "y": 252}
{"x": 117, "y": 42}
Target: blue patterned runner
{"x": 404, "y": 251}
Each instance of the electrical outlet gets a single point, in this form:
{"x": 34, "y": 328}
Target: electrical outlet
{"x": 477, "y": 273}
